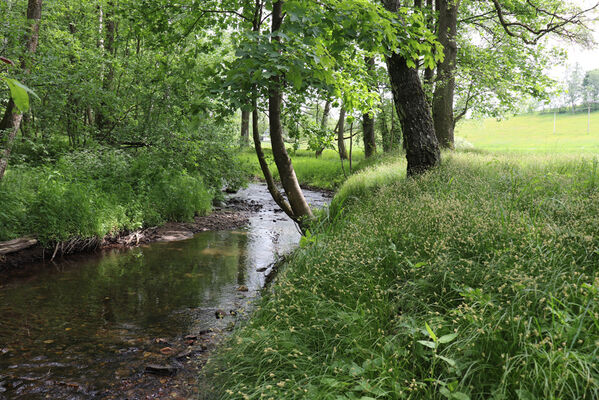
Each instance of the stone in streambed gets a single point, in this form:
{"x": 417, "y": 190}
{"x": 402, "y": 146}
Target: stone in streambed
{"x": 164, "y": 370}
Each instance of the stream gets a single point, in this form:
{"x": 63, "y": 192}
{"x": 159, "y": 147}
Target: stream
{"x": 137, "y": 323}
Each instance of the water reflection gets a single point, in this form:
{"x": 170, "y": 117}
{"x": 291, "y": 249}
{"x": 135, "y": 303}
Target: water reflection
{"x": 77, "y": 328}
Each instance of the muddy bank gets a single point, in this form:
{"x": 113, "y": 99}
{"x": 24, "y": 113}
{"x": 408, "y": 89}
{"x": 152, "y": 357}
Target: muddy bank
{"x": 16, "y": 255}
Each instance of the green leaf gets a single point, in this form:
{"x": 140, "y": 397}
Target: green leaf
{"x": 448, "y": 338}
{"x": 19, "y": 94}
{"x": 460, "y": 396}
{"x": 426, "y": 343}
{"x": 430, "y": 332}
{"x": 447, "y": 360}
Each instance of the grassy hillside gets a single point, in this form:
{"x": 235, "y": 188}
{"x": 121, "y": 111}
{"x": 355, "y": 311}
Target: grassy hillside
{"x": 477, "y": 281}
{"x": 533, "y": 133}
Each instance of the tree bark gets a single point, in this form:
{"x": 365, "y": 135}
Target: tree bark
{"x": 245, "y": 128}
{"x": 323, "y": 124}
{"x": 12, "y": 120}
{"x": 270, "y": 182}
{"x": 429, "y": 73}
{"x": 294, "y": 193}
{"x": 368, "y": 122}
{"x": 369, "y": 139}
{"x": 445, "y": 82}
{"x": 422, "y": 147}
{"x": 340, "y": 133}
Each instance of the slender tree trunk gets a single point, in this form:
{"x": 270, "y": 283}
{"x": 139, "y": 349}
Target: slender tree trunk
{"x": 340, "y": 133}
{"x": 429, "y": 73}
{"x": 245, "y": 128}
{"x": 445, "y": 82}
{"x": 369, "y": 138}
{"x": 368, "y": 121}
{"x": 323, "y": 124}
{"x": 12, "y": 119}
{"x": 270, "y": 182}
{"x": 294, "y": 193}
{"x": 102, "y": 120}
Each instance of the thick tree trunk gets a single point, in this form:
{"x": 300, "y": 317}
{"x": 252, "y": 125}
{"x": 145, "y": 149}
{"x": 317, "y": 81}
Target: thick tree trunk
{"x": 294, "y": 193}
{"x": 245, "y": 128}
{"x": 323, "y": 124}
{"x": 422, "y": 148}
{"x": 340, "y": 133}
{"x": 368, "y": 121}
{"x": 445, "y": 82}
{"x": 12, "y": 119}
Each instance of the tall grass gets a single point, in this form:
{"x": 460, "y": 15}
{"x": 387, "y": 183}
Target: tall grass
{"x": 93, "y": 194}
{"x": 477, "y": 281}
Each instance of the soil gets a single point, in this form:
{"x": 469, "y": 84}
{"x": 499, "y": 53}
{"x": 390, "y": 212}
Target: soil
{"x": 234, "y": 214}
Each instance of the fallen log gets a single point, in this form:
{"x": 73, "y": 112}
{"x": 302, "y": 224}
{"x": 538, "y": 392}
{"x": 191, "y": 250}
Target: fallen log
{"x": 17, "y": 245}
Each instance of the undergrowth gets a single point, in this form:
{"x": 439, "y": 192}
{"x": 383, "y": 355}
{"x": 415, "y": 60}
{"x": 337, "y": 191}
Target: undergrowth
{"x": 89, "y": 194}
{"x": 476, "y": 281}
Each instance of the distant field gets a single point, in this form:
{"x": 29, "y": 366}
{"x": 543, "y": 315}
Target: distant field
{"x": 533, "y": 133}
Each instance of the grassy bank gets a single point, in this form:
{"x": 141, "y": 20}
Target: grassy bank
{"x": 325, "y": 172}
{"x": 89, "y": 194}
{"x": 478, "y": 281}
{"x": 534, "y": 133}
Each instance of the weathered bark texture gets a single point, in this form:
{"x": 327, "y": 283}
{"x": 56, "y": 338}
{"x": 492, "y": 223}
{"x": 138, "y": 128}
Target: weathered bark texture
{"x": 368, "y": 122}
{"x": 294, "y": 193}
{"x": 245, "y": 128}
{"x": 323, "y": 124}
{"x": 422, "y": 147}
{"x": 340, "y": 133}
{"x": 445, "y": 82}
{"x": 12, "y": 119}
{"x": 369, "y": 139}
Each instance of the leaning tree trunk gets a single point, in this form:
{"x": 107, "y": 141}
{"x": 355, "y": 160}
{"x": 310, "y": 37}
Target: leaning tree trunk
{"x": 245, "y": 128}
{"x": 294, "y": 193}
{"x": 12, "y": 119}
{"x": 340, "y": 133}
{"x": 368, "y": 121}
{"x": 445, "y": 82}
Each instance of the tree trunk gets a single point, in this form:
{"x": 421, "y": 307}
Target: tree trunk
{"x": 429, "y": 73}
{"x": 245, "y": 128}
{"x": 270, "y": 182}
{"x": 340, "y": 133}
{"x": 422, "y": 148}
{"x": 445, "y": 82}
{"x": 368, "y": 121}
{"x": 294, "y": 193}
{"x": 323, "y": 124}
{"x": 12, "y": 120}
{"x": 102, "y": 120}
{"x": 369, "y": 140}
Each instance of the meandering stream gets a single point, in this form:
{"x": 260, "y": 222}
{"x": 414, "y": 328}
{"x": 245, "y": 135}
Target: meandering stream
{"x": 90, "y": 325}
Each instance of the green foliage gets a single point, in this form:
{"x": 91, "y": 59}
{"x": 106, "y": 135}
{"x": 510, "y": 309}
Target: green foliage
{"x": 97, "y": 193}
{"x": 476, "y": 281}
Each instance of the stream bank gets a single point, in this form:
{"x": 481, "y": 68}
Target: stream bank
{"x": 138, "y": 322}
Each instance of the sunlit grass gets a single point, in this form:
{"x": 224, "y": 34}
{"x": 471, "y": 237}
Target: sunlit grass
{"x": 533, "y": 133}
{"x": 477, "y": 281}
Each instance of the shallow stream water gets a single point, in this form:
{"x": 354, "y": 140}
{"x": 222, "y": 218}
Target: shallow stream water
{"x": 89, "y": 325}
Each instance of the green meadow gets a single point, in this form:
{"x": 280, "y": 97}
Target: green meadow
{"x": 478, "y": 280}
{"x": 533, "y": 133}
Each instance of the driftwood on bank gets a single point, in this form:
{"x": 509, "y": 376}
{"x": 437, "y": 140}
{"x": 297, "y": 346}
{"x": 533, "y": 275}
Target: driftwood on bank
{"x": 15, "y": 245}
